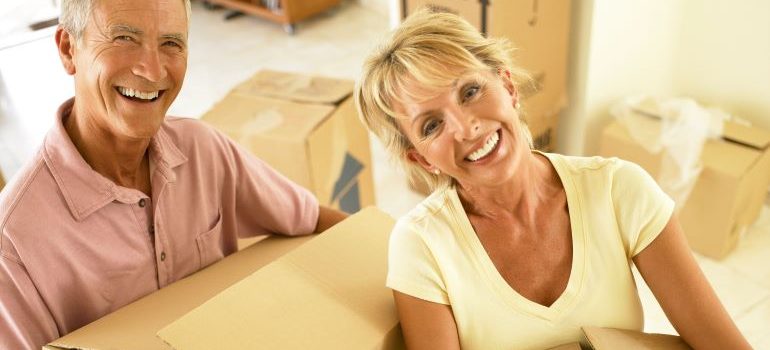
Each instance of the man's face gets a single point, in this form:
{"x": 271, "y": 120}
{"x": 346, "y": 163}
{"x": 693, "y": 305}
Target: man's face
{"x": 129, "y": 65}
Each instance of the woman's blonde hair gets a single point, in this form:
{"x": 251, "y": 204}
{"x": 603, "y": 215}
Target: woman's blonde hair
{"x": 427, "y": 52}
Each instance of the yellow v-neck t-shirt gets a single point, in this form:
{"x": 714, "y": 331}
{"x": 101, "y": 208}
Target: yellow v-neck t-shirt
{"x": 615, "y": 208}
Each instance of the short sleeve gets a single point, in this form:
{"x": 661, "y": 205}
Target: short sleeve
{"x": 641, "y": 207}
{"x": 412, "y": 268}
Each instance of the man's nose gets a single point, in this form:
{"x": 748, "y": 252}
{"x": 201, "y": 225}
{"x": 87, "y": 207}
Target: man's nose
{"x": 150, "y": 65}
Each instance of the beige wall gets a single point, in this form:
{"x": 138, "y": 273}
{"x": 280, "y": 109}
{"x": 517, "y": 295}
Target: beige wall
{"x": 620, "y": 48}
{"x": 717, "y": 52}
{"x": 724, "y": 56}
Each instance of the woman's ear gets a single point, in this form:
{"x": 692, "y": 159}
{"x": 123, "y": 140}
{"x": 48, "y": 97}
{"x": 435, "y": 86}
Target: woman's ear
{"x": 415, "y": 157}
{"x": 66, "y": 45}
{"x": 505, "y": 75}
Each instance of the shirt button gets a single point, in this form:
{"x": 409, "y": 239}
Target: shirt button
{"x": 142, "y": 203}
{"x": 152, "y": 230}
{"x": 162, "y": 256}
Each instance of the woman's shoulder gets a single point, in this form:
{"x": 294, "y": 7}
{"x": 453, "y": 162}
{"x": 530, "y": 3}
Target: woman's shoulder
{"x": 575, "y": 166}
{"x": 436, "y": 209}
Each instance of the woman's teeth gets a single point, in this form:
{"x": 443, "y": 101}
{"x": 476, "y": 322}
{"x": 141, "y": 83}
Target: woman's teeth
{"x": 484, "y": 150}
{"x": 128, "y": 92}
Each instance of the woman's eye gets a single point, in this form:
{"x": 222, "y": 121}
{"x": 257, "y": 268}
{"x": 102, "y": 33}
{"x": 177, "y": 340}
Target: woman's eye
{"x": 470, "y": 92}
{"x": 430, "y": 127}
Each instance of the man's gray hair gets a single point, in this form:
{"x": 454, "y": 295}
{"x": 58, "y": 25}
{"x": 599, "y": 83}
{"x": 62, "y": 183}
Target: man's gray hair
{"x": 75, "y": 13}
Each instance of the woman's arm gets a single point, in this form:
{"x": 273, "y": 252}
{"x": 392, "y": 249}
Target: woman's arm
{"x": 426, "y": 325}
{"x": 673, "y": 275}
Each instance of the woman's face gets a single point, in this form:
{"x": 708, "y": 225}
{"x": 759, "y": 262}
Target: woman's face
{"x": 469, "y": 131}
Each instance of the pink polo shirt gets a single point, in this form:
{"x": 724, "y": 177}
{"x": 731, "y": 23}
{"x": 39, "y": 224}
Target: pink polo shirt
{"x": 75, "y": 246}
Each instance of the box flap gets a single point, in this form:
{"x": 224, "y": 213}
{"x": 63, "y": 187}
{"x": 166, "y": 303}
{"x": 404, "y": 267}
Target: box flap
{"x": 570, "y": 346}
{"x": 242, "y": 117}
{"x": 296, "y": 87}
{"x": 328, "y": 294}
{"x": 746, "y": 135}
{"x": 612, "y": 339}
{"x": 134, "y": 326}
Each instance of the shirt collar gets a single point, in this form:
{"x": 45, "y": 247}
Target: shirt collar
{"x": 84, "y": 190}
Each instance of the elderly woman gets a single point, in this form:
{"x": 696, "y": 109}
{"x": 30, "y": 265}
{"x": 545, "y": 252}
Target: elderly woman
{"x": 516, "y": 248}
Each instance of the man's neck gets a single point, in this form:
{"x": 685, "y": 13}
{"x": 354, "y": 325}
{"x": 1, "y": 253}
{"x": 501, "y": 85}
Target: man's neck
{"x": 123, "y": 160}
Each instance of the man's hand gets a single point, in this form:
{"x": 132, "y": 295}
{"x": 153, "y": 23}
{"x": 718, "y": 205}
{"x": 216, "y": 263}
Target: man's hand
{"x": 328, "y": 217}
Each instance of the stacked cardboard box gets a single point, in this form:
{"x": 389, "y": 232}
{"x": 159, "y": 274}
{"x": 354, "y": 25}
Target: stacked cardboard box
{"x": 315, "y": 292}
{"x": 307, "y": 128}
{"x": 728, "y": 194}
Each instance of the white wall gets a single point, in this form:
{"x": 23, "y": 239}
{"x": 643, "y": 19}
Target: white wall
{"x": 717, "y": 52}
{"x": 381, "y": 6}
{"x": 620, "y": 48}
{"x": 724, "y": 56}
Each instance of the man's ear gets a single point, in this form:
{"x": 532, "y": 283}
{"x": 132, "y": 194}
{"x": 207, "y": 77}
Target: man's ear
{"x": 415, "y": 157}
{"x": 66, "y": 45}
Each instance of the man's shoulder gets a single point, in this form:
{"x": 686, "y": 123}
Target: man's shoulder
{"x": 189, "y": 133}
{"x": 27, "y": 198}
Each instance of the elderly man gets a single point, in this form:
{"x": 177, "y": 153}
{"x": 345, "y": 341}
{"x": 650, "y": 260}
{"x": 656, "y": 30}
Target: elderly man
{"x": 121, "y": 200}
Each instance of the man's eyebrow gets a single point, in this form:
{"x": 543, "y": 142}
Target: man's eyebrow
{"x": 177, "y": 36}
{"x": 125, "y": 28}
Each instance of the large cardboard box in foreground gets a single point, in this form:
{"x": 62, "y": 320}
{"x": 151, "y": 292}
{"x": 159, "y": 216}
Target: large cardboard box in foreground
{"x": 362, "y": 237}
{"x": 539, "y": 30}
{"x": 728, "y": 194}
{"x": 315, "y": 292}
{"x": 307, "y": 128}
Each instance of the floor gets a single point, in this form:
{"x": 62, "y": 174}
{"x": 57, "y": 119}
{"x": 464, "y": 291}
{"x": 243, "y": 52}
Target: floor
{"x": 32, "y": 85}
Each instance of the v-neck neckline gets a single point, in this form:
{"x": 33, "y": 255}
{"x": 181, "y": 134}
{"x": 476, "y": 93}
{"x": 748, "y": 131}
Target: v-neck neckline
{"x": 566, "y": 300}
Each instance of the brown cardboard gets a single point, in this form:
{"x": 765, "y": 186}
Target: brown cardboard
{"x": 307, "y": 128}
{"x": 2, "y": 181}
{"x": 612, "y": 339}
{"x": 327, "y": 294}
{"x": 134, "y": 326}
{"x": 570, "y": 346}
{"x": 729, "y": 192}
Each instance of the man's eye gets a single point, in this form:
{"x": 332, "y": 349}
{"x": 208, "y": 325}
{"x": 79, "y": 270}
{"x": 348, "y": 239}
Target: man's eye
{"x": 430, "y": 127}
{"x": 172, "y": 44}
{"x": 124, "y": 38}
{"x": 470, "y": 92}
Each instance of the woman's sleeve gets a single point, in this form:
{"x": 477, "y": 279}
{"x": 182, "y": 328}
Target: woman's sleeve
{"x": 412, "y": 267}
{"x": 641, "y": 207}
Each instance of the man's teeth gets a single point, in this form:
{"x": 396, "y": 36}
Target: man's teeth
{"x": 484, "y": 150}
{"x": 128, "y": 92}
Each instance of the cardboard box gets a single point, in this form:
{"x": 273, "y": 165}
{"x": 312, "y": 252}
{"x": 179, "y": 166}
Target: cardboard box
{"x": 2, "y": 181}
{"x": 305, "y": 127}
{"x": 728, "y": 194}
{"x": 327, "y": 294}
{"x": 134, "y": 326}
{"x": 611, "y": 339}
{"x": 540, "y": 32}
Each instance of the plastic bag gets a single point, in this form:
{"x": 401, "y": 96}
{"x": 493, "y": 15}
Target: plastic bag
{"x": 677, "y": 127}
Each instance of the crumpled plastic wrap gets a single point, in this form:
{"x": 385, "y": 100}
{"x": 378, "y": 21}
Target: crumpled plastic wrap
{"x": 676, "y": 127}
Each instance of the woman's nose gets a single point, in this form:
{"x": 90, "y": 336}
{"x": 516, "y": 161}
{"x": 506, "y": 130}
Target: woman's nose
{"x": 467, "y": 126}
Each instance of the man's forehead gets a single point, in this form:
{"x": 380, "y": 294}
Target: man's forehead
{"x": 141, "y": 15}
